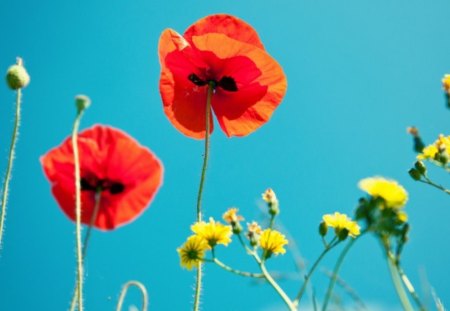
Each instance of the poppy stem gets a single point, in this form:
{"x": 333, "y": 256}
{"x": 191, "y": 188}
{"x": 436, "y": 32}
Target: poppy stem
{"x": 198, "y": 285}
{"x": 86, "y": 242}
{"x": 79, "y": 252}
{"x": 10, "y": 164}
{"x": 124, "y": 291}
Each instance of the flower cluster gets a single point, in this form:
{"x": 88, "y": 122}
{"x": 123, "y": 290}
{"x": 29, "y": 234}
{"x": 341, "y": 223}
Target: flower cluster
{"x": 342, "y": 224}
{"x": 439, "y": 151}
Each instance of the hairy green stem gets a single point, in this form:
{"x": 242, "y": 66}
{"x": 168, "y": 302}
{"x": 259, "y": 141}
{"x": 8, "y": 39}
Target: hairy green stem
{"x": 237, "y": 272}
{"x": 198, "y": 285}
{"x": 410, "y": 288}
{"x": 431, "y": 183}
{"x": 10, "y": 164}
{"x": 313, "y": 268}
{"x": 124, "y": 291}
{"x": 79, "y": 252}
{"x": 336, "y": 271}
{"x": 73, "y": 304}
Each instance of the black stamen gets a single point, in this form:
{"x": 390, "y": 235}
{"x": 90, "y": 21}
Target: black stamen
{"x": 85, "y": 185}
{"x": 116, "y": 188}
{"x": 228, "y": 84}
{"x": 196, "y": 80}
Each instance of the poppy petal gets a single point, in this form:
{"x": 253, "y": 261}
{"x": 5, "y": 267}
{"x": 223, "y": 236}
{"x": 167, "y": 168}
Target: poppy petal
{"x": 184, "y": 102}
{"x": 228, "y": 25}
{"x": 260, "y": 80}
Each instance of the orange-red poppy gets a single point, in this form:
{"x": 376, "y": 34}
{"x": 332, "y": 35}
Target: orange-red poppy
{"x": 227, "y": 52}
{"x": 125, "y": 174}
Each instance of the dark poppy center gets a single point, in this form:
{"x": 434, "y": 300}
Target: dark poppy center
{"x": 226, "y": 83}
{"x": 94, "y": 184}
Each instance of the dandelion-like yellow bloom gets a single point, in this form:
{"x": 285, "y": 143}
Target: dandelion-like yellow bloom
{"x": 231, "y": 216}
{"x": 272, "y": 242}
{"x": 340, "y": 221}
{"x": 446, "y": 83}
{"x": 442, "y": 144}
{"x": 192, "y": 251}
{"x": 213, "y": 232}
{"x": 269, "y": 196}
{"x": 393, "y": 193}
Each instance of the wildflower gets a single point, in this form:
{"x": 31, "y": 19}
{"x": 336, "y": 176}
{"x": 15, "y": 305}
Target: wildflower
{"x": 272, "y": 242}
{"x": 253, "y": 233}
{"x": 439, "y": 150}
{"x": 125, "y": 175}
{"x": 341, "y": 222}
{"x": 231, "y": 217}
{"x": 270, "y": 197}
{"x": 402, "y": 216}
{"x": 446, "y": 83}
{"x": 192, "y": 251}
{"x": 225, "y": 53}
{"x": 213, "y": 232}
{"x": 393, "y": 194}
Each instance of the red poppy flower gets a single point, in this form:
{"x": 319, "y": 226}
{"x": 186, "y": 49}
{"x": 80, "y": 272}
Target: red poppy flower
{"x": 126, "y": 174}
{"x": 224, "y": 50}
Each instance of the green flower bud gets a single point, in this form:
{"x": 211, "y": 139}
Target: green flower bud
{"x": 420, "y": 166}
{"x": 323, "y": 229}
{"x": 82, "y": 102}
{"x": 16, "y": 76}
{"x": 342, "y": 234}
{"x": 236, "y": 226}
{"x": 415, "y": 174}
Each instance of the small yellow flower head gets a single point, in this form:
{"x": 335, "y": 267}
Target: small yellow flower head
{"x": 341, "y": 222}
{"x": 253, "y": 233}
{"x": 192, "y": 251}
{"x": 402, "y": 216}
{"x": 446, "y": 83}
{"x": 213, "y": 232}
{"x": 270, "y": 197}
{"x": 17, "y": 77}
{"x": 272, "y": 242}
{"x": 429, "y": 152}
{"x": 393, "y": 194}
{"x": 439, "y": 150}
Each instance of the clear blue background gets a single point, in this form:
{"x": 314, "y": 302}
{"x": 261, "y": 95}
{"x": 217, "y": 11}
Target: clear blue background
{"x": 359, "y": 72}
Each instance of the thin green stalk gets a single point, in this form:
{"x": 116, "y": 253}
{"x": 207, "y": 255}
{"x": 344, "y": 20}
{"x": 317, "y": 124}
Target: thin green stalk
{"x": 10, "y": 164}
{"x": 79, "y": 252}
{"x": 410, "y": 288}
{"x": 431, "y": 183}
{"x": 291, "y": 306}
{"x": 237, "y": 272}
{"x": 336, "y": 271}
{"x": 73, "y": 304}
{"x": 398, "y": 283}
{"x": 198, "y": 285}
{"x": 124, "y": 291}
{"x": 313, "y": 268}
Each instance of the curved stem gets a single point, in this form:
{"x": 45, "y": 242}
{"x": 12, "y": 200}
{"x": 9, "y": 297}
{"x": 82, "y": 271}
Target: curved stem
{"x": 313, "y": 268}
{"x": 79, "y": 252}
{"x": 198, "y": 285}
{"x": 398, "y": 283}
{"x": 238, "y": 272}
{"x": 431, "y": 183}
{"x": 124, "y": 291}
{"x": 336, "y": 271}
{"x": 86, "y": 243}
{"x": 10, "y": 164}
{"x": 277, "y": 288}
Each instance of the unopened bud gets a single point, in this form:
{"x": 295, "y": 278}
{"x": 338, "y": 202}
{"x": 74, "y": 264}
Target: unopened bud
{"x": 342, "y": 234}
{"x": 415, "y": 174}
{"x": 82, "y": 102}
{"x": 323, "y": 229}
{"x": 16, "y": 76}
{"x": 420, "y": 166}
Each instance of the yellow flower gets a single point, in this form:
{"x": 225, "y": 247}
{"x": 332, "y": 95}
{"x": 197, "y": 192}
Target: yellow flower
{"x": 213, "y": 232}
{"x": 340, "y": 221}
{"x": 402, "y": 216}
{"x": 272, "y": 242}
{"x": 394, "y": 195}
{"x": 192, "y": 251}
{"x": 231, "y": 216}
{"x": 446, "y": 83}
{"x": 254, "y": 228}
{"x": 442, "y": 144}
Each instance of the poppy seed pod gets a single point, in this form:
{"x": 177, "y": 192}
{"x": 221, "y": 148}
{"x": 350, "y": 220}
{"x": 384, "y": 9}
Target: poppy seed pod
{"x": 17, "y": 77}
{"x": 82, "y": 102}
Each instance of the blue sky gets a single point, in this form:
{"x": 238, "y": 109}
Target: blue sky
{"x": 358, "y": 74}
